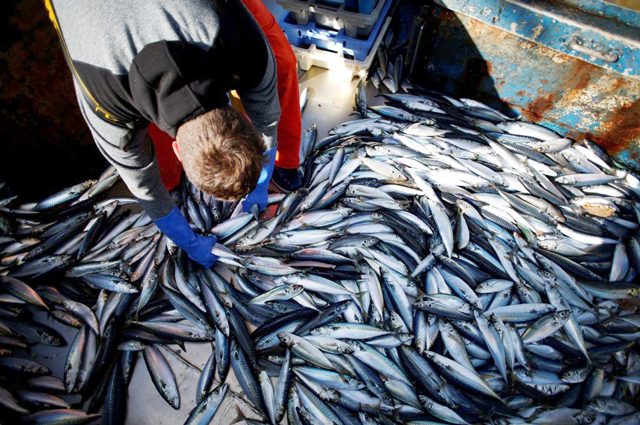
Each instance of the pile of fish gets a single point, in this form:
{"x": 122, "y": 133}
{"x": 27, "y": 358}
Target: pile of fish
{"x": 442, "y": 264}
{"x": 389, "y": 70}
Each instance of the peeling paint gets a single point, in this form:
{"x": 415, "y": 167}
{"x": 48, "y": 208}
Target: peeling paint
{"x": 541, "y": 105}
{"x": 554, "y": 23}
{"x": 557, "y": 90}
{"x": 537, "y": 30}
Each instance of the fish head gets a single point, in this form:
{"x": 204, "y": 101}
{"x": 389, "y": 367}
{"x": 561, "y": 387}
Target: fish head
{"x": 54, "y": 340}
{"x": 293, "y": 289}
{"x": 226, "y": 299}
{"x": 277, "y": 359}
{"x": 354, "y": 346}
{"x": 493, "y": 319}
{"x": 291, "y": 279}
{"x": 220, "y": 390}
{"x": 572, "y": 376}
{"x": 243, "y": 242}
{"x": 107, "y": 208}
{"x": 287, "y": 339}
{"x": 479, "y": 316}
{"x": 329, "y": 394}
{"x": 344, "y": 212}
{"x": 405, "y": 338}
{"x": 132, "y": 346}
{"x": 426, "y": 402}
{"x": 598, "y": 404}
{"x": 369, "y": 241}
{"x": 266, "y": 342}
{"x": 463, "y": 206}
{"x": 621, "y": 357}
{"x": 221, "y": 324}
{"x": 343, "y": 306}
{"x": 395, "y": 321}
{"x": 304, "y": 413}
{"x": 344, "y": 348}
{"x": 548, "y": 244}
{"x": 563, "y": 315}
{"x": 321, "y": 331}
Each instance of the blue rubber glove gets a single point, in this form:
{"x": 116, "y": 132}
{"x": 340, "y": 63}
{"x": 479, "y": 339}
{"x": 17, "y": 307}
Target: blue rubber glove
{"x": 197, "y": 247}
{"x": 258, "y": 197}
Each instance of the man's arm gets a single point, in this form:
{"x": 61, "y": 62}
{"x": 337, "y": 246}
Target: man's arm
{"x": 261, "y": 102}
{"x": 132, "y": 153}
{"x": 262, "y": 105}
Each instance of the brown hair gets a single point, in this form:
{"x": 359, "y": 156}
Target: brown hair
{"x": 221, "y": 152}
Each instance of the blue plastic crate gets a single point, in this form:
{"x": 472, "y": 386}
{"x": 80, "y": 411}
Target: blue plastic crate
{"x": 312, "y": 56}
{"x": 332, "y": 3}
{"x": 332, "y": 40}
{"x": 338, "y": 14}
{"x": 358, "y": 6}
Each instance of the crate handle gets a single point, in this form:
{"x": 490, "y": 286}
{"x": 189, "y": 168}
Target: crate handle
{"x": 576, "y": 43}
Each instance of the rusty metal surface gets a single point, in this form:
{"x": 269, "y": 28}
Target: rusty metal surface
{"x": 470, "y": 58}
{"x": 623, "y": 10}
{"x": 592, "y": 30}
{"x": 629, "y": 4}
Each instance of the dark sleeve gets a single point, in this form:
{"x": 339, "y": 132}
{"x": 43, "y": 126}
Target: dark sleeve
{"x": 261, "y": 102}
{"x": 135, "y": 163}
{"x": 257, "y": 68}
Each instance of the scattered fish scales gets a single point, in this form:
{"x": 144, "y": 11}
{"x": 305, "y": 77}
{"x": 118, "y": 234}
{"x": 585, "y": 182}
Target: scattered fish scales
{"x": 504, "y": 240}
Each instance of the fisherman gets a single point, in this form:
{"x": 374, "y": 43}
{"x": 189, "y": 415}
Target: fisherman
{"x": 149, "y": 71}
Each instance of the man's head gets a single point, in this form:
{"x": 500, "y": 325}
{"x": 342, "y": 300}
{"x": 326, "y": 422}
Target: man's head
{"x": 221, "y": 152}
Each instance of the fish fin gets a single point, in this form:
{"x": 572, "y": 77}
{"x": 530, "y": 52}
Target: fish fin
{"x": 358, "y": 294}
{"x": 240, "y": 417}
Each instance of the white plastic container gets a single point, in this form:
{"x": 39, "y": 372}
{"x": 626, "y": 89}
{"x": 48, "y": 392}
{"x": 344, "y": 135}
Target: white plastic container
{"x": 313, "y": 56}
